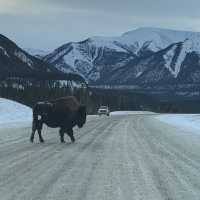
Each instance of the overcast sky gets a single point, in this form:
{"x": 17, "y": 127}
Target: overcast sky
{"x": 46, "y": 24}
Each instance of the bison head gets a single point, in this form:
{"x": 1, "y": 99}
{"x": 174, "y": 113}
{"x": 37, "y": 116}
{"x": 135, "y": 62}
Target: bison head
{"x": 81, "y": 118}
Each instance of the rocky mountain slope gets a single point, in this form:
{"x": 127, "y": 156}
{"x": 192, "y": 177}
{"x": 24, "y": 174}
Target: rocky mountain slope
{"x": 142, "y": 56}
{"x": 37, "y": 52}
{"x": 13, "y": 59}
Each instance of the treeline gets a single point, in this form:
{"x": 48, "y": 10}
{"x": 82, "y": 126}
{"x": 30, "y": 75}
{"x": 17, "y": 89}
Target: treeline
{"x": 29, "y": 90}
{"x": 39, "y": 76}
{"x": 126, "y": 100}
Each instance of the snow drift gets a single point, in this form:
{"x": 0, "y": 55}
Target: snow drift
{"x": 12, "y": 112}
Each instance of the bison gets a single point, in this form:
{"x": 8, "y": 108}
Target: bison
{"x": 65, "y": 113}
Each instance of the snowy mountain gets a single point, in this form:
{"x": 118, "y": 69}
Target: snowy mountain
{"x": 13, "y": 59}
{"x": 37, "y": 52}
{"x": 145, "y": 55}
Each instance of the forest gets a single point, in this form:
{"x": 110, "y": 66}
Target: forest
{"x": 31, "y": 88}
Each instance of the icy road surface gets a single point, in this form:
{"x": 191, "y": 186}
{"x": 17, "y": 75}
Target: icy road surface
{"x": 113, "y": 158}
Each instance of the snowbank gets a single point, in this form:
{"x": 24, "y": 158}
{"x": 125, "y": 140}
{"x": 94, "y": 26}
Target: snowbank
{"x": 12, "y": 113}
{"x": 186, "y": 121}
{"x": 130, "y": 112}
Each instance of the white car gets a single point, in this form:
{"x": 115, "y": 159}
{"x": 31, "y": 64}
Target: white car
{"x": 103, "y": 110}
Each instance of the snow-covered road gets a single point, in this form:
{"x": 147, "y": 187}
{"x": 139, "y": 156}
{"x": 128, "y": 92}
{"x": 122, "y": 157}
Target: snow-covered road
{"x": 116, "y": 157}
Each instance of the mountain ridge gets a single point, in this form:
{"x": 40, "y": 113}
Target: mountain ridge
{"x": 96, "y": 57}
{"x": 14, "y": 59}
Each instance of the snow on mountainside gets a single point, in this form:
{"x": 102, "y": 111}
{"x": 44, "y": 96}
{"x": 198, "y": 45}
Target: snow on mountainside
{"x": 87, "y": 57}
{"x": 37, "y": 52}
{"x": 13, "y": 59}
{"x": 132, "y": 57}
{"x": 185, "y": 48}
{"x": 156, "y": 38}
{"x": 4, "y": 51}
{"x": 177, "y": 58}
{"x": 24, "y": 58}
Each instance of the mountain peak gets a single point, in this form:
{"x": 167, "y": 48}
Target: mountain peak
{"x": 131, "y": 55}
{"x": 157, "y": 29}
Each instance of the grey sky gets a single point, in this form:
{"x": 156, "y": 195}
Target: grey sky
{"x": 46, "y": 24}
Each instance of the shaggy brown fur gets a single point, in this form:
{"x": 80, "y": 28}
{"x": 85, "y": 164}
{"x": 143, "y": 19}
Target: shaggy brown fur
{"x": 66, "y": 104}
{"x": 64, "y": 112}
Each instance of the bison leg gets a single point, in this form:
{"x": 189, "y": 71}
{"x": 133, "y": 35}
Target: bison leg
{"x": 39, "y": 129}
{"x": 71, "y": 135}
{"x": 61, "y": 132}
{"x": 33, "y": 131}
{"x": 37, "y": 125}
{"x": 40, "y": 136}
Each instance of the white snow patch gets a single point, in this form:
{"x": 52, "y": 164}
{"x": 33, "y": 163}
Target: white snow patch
{"x": 58, "y": 54}
{"x": 4, "y": 51}
{"x": 92, "y": 117}
{"x": 95, "y": 76}
{"x": 107, "y": 42}
{"x": 184, "y": 121}
{"x": 186, "y": 48}
{"x": 138, "y": 74}
{"x": 12, "y": 113}
{"x": 168, "y": 58}
{"x": 81, "y": 61}
{"x": 23, "y": 58}
{"x": 130, "y": 112}
{"x": 77, "y": 53}
{"x": 158, "y": 38}
{"x": 37, "y": 52}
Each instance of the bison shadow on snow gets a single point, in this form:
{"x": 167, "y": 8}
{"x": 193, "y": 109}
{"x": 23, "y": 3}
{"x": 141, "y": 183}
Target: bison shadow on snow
{"x": 63, "y": 113}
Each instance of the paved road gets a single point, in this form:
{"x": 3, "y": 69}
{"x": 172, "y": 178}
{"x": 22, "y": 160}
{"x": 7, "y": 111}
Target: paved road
{"x": 117, "y": 157}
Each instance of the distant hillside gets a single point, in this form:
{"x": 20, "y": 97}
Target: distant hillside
{"x": 15, "y": 62}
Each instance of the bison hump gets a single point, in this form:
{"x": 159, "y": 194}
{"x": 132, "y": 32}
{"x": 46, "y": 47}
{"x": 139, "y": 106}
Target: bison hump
{"x": 66, "y": 104}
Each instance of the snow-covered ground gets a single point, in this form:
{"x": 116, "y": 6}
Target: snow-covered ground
{"x": 118, "y": 157}
{"x": 129, "y": 155}
{"x": 130, "y": 112}
{"x": 13, "y": 113}
{"x": 185, "y": 121}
